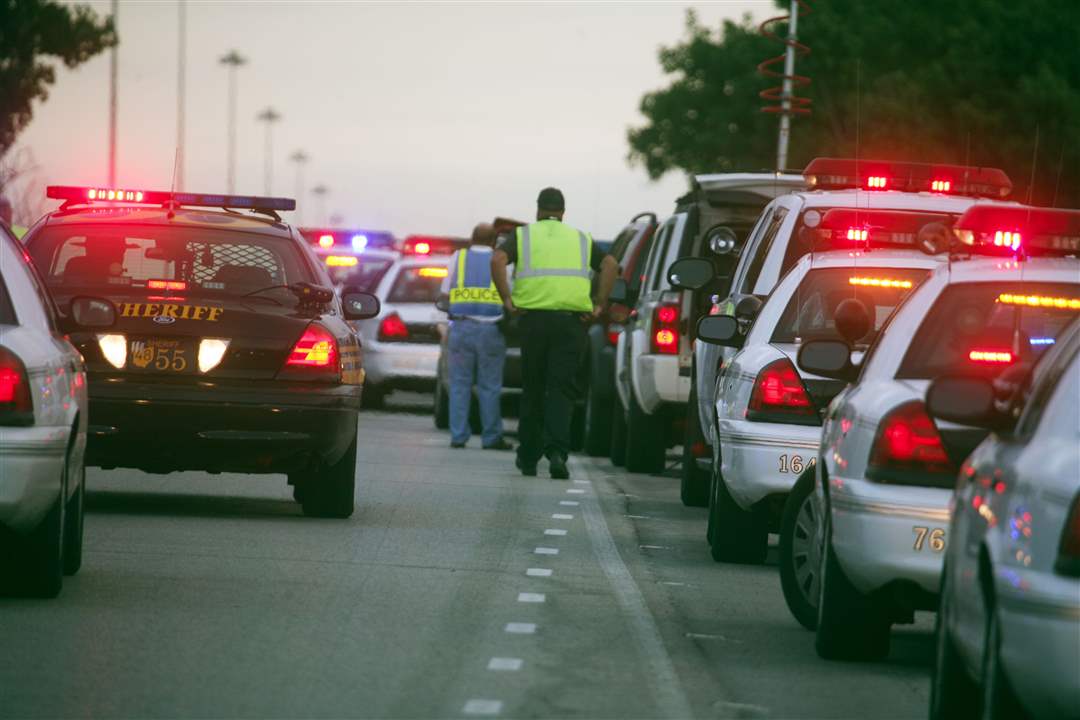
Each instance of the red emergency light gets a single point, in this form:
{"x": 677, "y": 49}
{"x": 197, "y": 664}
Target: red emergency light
{"x": 166, "y": 285}
{"x": 1012, "y": 229}
{"x": 432, "y": 244}
{"x": 846, "y": 173}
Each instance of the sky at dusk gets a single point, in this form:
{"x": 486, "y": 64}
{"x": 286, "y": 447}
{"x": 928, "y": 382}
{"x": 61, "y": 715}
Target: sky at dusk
{"x": 425, "y": 117}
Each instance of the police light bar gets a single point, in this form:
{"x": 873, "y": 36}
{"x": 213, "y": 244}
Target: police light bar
{"x": 845, "y": 173}
{"x": 846, "y": 227}
{"x": 1013, "y": 229}
{"x": 432, "y": 244}
{"x": 86, "y": 195}
{"x": 353, "y": 240}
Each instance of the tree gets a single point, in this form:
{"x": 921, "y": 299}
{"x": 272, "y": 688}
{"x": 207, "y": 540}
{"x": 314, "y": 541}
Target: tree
{"x": 960, "y": 81}
{"x": 31, "y": 31}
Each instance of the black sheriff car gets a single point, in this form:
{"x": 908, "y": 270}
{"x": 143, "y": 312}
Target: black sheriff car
{"x": 224, "y": 348}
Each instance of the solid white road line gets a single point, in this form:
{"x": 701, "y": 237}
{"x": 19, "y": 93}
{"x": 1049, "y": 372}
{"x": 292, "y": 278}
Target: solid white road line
{"x": 666, "y": 689}
{"x": 505, "y": 664}
{"x": 561, "y": 516}
{"x": 516, "y": 628}
{"x": 531, "y": 597}
{"x": 555, "y": 531}
{"x": 546, "y": 551}
{"x": 480, "y": 706}
{"x": 538, "y": 572}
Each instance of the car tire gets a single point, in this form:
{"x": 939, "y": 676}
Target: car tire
{"x": 39, "y": 559}
{"x": 598, "y": 429}
{"x": 998, "y": 699}
{"x": 694, "y": 483}
{"x": 645, "y": 441}
{"x": 372, "y": 397}
{"x": 442, "y": 405}
{"x": 849, "y": 626}
{"x": 617, "y": 452}
{"x": 331, "y": 493}
{"x": 953, "y": 694}
{"x": 800, "y": 550}
{"x": 738, "y": 536}
{"x": 73, "y": 525}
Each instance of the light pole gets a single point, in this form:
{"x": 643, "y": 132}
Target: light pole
{"x": 232, "y": 61}
{"x": 112, "y": 102}
{"x": 300, "y": 158}
{"x": 180, "y": 91}
{"x": 321, "y": 191}
{"x": 269, "y": 116}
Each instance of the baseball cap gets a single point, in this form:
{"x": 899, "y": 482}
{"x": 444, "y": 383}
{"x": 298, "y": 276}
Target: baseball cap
{"x": 551, "y": 199}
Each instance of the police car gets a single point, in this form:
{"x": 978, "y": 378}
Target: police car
{"x": 355, "y": 258}
{"x": 230, "y": 352}
{"x": 768, "y": 414}
{"x": 879, "y": 495}
{"x": 1009, "y": 621}
{"x": 401, "y": 344}
{"x": 43, "y": 410}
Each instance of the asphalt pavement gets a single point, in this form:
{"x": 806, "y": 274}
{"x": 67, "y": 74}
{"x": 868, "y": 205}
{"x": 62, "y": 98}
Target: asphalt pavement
{"x": 457, "y": 589}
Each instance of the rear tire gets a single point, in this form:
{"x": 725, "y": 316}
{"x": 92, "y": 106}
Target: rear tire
{"x": 999, "y": 702}
{"x": 39, "y": 556}
{"x": 331, "y": 493}
{"x": 617, "y": 452}
{"x": 800, "y": 550}
{"x": 598, "y": 429}
{"x": 73, "y": 526}
{"x": 849, "y": 626}
{"x": 738, "y": 536}
{"x": 442, "y": 405}
{"x": 952, "y": 692}
{"x": 373, "y": 397}
{"x": 646, "y": 444}
{"x": 694, "y": 484}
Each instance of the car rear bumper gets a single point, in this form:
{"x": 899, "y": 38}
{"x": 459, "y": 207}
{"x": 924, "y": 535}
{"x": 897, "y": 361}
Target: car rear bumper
{"x": 657, "y": 382}
{"x": 31, "y": 473}
{"x": 762, "y": 459}
{"x": 401, "y": 365}
{"x": 876, "y": 528}
{"x": 218, "y": 427}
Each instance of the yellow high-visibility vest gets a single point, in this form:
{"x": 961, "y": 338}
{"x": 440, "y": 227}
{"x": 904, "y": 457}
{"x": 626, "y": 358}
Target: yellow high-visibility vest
{"x": 552, "y": 268}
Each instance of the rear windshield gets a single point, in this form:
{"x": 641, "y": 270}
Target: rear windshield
{"x": 365, "y": 275}
{"x": 984, "y": 328}
{"x": 809, "y": 314}
{"x": 124, "y": 259}
{"x": 417, "y": 284}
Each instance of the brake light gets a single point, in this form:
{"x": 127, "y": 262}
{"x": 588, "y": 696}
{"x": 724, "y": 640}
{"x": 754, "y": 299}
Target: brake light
{"x": 779, "y": 394}
{"x": 16, "y": 407}
{"x": 1068, "y": 560}
{"x": 316, "y": 349}
{"x": 990, "y": 356}
{"x": 876, "y": 182}
{"x": 166, "y": 285}
{"x": 393, "y": 328}
{"x": 613, "y": 331}
{"x": 326, "y": 241}
{"x": 1060, "y": 303}
{"x": 908, "y": 441}
{"x": 665, "y": 331}
{"x": 879, "y": 282}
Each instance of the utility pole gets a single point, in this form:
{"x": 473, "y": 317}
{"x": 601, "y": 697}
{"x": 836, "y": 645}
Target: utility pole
{"x": 232, "y": 61}
{"x": 786, "y": 90}
{"x": 269, "y": 116}
{"x": 112, "y": 99}
{"x": 180, "y": 89}
{"x": 300, "y": 158}
{"x": 320, "y": 191}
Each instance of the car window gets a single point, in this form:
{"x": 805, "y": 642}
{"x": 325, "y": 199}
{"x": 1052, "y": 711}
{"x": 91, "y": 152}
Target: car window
{"x": 618, "y": 248}
{"x": 657, "y": 253}
{"x": 981, "y": 328}
{"x": 761, "y": 252}
{"x": 35, "y": 281}
{"x": 1054, "y": 393}
{"x": 417, "y": 284}
{"x": 365, "y": 274}
{"x": 7, "y": 309}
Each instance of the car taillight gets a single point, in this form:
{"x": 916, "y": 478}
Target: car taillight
{"x": 1068, "y": 560}
{"x": 613, "y": 330}
{"x": 908, "y": 450}
{"x": 780, "y": 396}
{"x": 16, "y": 407}
{"x": 665, "y": 330}
{"x": 316, "y": 350}
{"x": 393, "y": 328}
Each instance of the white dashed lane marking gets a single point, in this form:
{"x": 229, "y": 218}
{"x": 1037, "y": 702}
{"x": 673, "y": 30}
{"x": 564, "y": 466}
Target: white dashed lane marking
{"x": 554, "y": 531}
{"x": 582, "y": 482}
{"x": 480, "y": 706}
{"x": 531, "y": 597}
{"x": 516, "y": 628}
{"x": 538, "y": 572}
{"x": 561, "y": 516}
{"x": 569, "y": 503}
{"x": 575, "y": 491}
{"x": 505, "y": 664}
{"x": 546, "y": 551}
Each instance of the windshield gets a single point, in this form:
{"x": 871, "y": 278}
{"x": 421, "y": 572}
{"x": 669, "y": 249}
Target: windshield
{"x": 809, "y": 313}
{"x": 418, "y": 284}
{"x": 127, "y": 259}
{"x": 982, "y": 328}
{"x": 365, "y": 275}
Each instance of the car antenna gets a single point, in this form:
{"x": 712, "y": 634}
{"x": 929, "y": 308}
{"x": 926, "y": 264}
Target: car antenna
{"x": 171, "y": 204}
{"x": 1020, "y": 257}
{"x": 1057, "y": 182}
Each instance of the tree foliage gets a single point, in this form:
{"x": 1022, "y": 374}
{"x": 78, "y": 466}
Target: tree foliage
{"x": 959, "y": 81}
{"x": 33, "y": 32}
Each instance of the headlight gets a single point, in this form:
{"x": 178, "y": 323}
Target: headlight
{"x": 114, "y": 348}
{"x": 211, "y": 350}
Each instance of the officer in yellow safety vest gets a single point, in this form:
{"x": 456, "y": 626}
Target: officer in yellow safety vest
{"x": 476, "y": 348}
{"x": 552, "y": 290}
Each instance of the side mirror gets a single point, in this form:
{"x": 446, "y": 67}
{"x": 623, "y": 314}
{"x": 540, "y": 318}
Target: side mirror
{"x": 442, "y": 303}
{"x": 359, "y": 305}
{"x": 720, "y": 330}
{"x": 747, "y": 308}
{"x": 965, "y": 400}
{"x": 690, "y": 273}
{"x": 852, "y": 320}
{"x": 89, "y": 313}
{"x": 721, "y": 240}
{"x": 827, "y": 358}
{"x": 621, "y": 294}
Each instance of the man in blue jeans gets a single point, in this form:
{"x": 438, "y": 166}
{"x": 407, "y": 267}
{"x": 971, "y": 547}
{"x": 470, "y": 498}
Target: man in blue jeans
{"x": 476, "y": 346}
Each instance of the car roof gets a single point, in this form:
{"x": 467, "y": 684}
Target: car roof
{"x": 891, "y": 200}
{"x": 422, "y": 260}
{"x": 763, "y": 183}
{"x": 884, "y": 257}
{"x": 181, "y": 217}
{"x": 998, "y": 269}
{"x": 375, "y": 253}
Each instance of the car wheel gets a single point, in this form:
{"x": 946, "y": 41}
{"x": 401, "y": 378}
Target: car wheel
{"x": 710, "y": 522}
{"x": 40, "y": 557}
{"x": 373, "y": 397}
{"x": 442, "y": 405}
{"x": 645, "y": 441}
{"x": 694, "y": 483}
{"x": 800, "y": 550}
{"x": 617, "y": 452}
{"x": 998, "y": 699}
{"x": 849, "y": 626}
{"x": 331, "y": 493}
{"x": 738, "y": 536}
{"x": 952, "y": 692}
{"x": 597, "y": 423}
{"x": 73, "y": 524}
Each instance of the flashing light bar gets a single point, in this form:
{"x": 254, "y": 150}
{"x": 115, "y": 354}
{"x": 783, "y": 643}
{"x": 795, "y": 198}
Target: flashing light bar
{"x": 326, "y": 241}
{"x": 843, "y": 173}
{"x": 880, "y": 282}
{"x": 348, "y": 240}
{"x": 1044, "y": 301}
{"x": 990, "y": 356}
{"x": 432, "y": 244}
{"x": 1009, "y": 228}
{"x": 166, "y": 285}
{"x": 84, "y": 195}
{"x": 878, "y": 227}
{"x": 433, "y": 272}
{"x": 342, "y": 261}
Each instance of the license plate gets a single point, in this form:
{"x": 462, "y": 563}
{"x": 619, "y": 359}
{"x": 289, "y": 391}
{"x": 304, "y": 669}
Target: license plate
{"x": 163, "y": 355}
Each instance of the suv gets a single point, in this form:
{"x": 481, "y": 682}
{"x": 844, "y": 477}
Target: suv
{"x": 654, "y": 355}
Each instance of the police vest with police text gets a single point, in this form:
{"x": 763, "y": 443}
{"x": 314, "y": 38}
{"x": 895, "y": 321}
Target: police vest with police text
{"x": 472, "y": 291}
{"x": 552, "y": 268}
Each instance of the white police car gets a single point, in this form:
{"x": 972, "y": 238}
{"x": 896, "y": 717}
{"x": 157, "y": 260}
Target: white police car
{"x": 356, "y": 258}
{"x": 885, "y": 470}
{"x": 1009, "y": 621}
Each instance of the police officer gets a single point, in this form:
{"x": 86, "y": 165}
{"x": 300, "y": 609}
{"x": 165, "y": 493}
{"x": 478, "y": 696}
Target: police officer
{"x": 552, "y": 291}
{"x": 476, "y": 347}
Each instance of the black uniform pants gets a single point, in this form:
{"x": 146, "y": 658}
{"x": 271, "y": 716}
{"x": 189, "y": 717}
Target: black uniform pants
{"x": 552, "y": 343}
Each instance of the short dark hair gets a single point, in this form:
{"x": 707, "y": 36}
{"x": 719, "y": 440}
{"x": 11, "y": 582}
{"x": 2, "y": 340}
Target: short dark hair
{"x": 551, "y": 198}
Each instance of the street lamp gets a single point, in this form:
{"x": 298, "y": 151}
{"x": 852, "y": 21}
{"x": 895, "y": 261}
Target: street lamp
{"x": 269, "y": 116}
{"x": 321, "y": 191}
{"x": 232, "y": 61}
{"x": 300, "y": 158}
